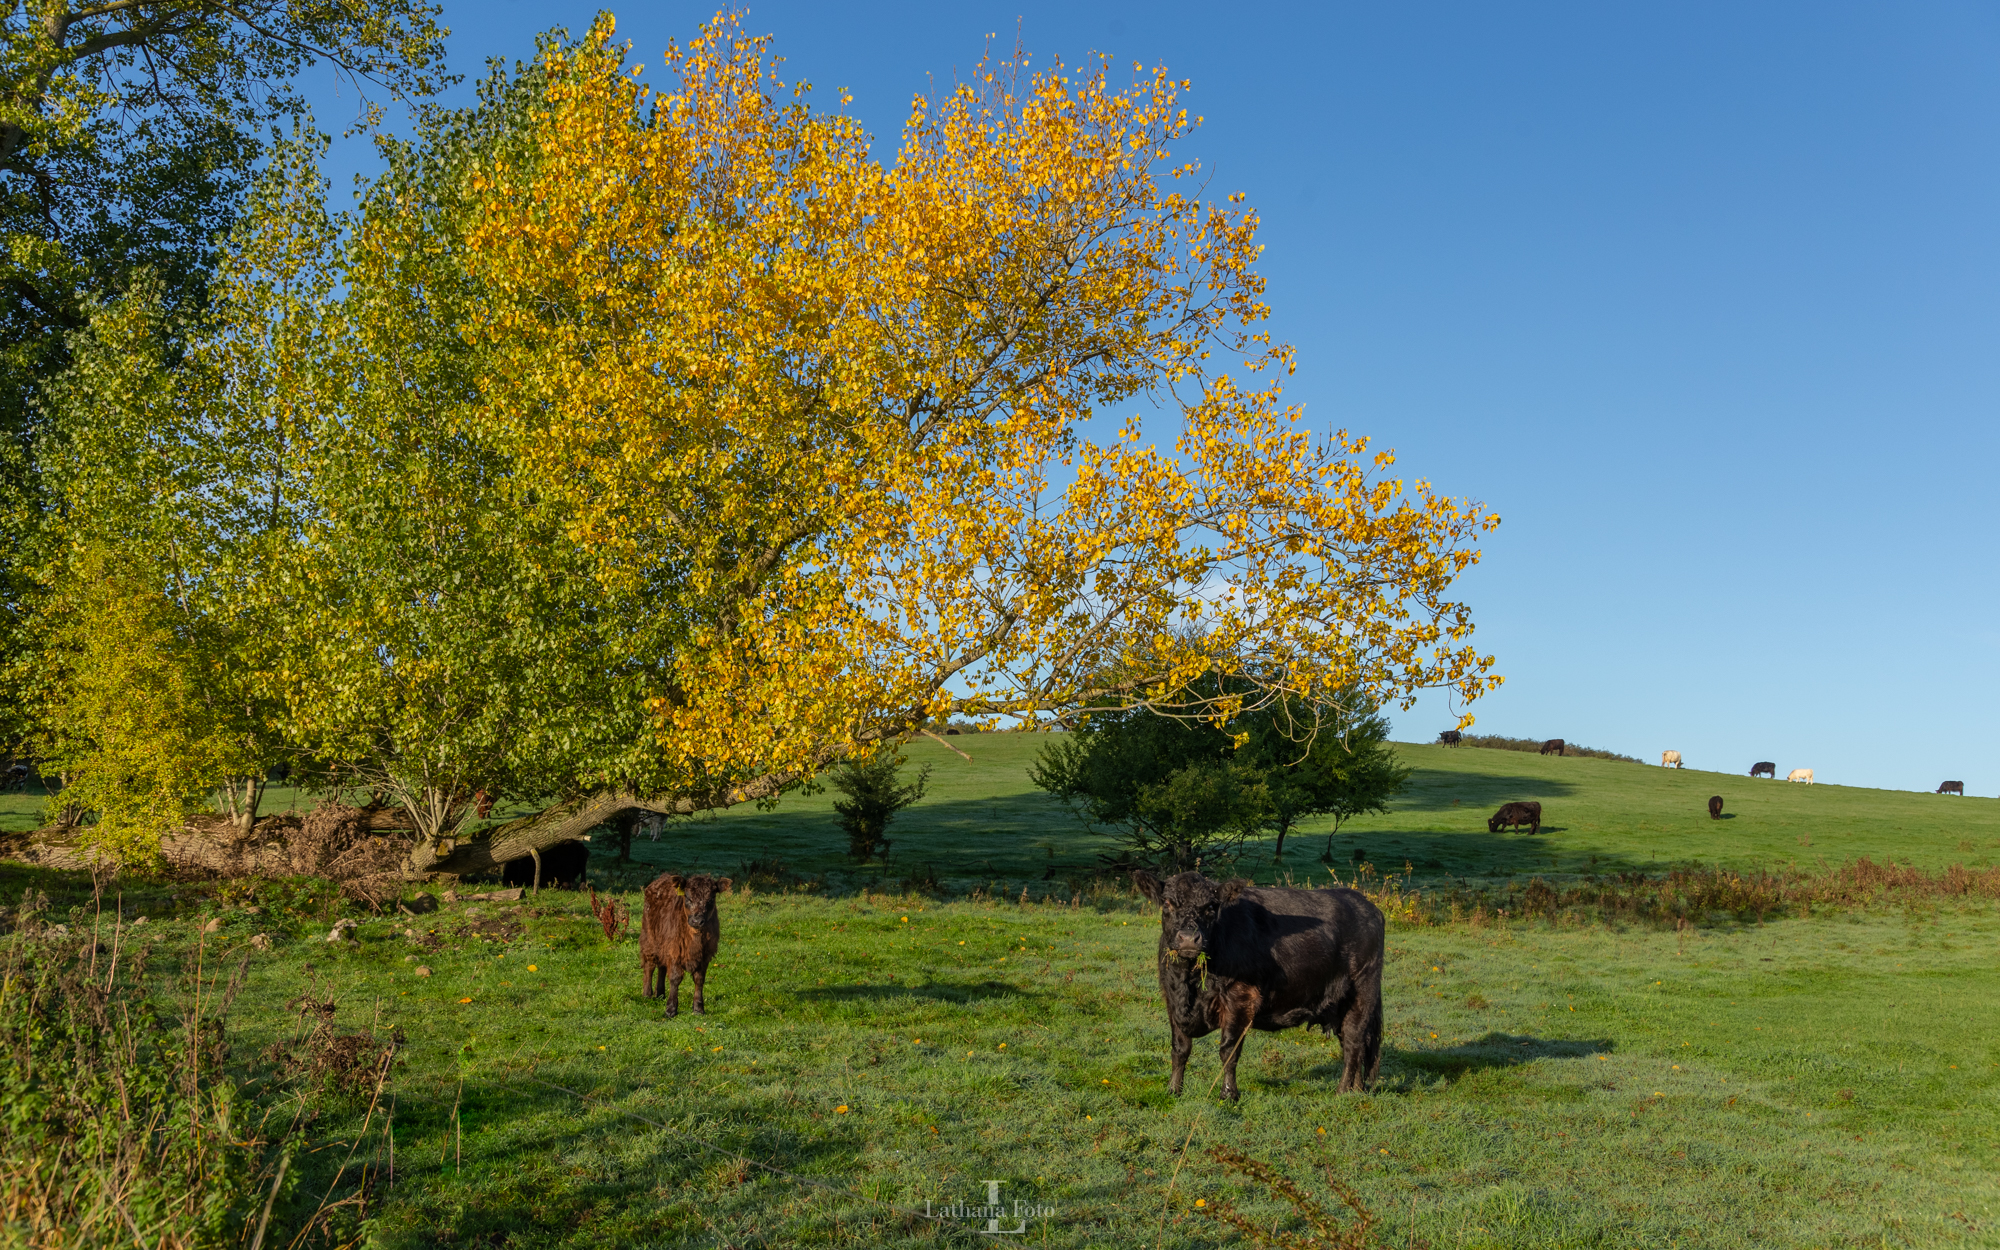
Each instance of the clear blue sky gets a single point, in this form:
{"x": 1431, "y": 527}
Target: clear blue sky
{"x": 1702, "y": 298}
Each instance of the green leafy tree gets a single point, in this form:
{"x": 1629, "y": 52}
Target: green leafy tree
{"x": 441, "y": 633}
{"x": 1169, "y": 784}
{"x": 130, "y": 131}
{"x": 144, "y": 702}
{"x": 875, "y": 793}
{"x": 129, "y": 134}
{"x": 1334, "y": 760}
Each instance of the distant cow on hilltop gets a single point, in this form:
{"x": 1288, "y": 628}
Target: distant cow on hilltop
{"x": 1670, "y": 759}
{"x": 1715, "y": 807}
{"x": 1449, "y": 737}
{"x": 1764, "y": 768}
{"x": 1800, "y": 774}
{"x": 1514, "y": 815}
{"x": 1554, "y": 746}
{"x": 1952, "y": 787}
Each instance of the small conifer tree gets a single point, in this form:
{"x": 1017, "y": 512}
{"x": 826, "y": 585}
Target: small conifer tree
{"x": 874, "y": 796}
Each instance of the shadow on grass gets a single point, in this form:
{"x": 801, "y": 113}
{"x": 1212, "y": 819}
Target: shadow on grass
{"x": 934, "y": 991}
{"x": 1403, "y": 1068}
{"x": 1433, "y": 790}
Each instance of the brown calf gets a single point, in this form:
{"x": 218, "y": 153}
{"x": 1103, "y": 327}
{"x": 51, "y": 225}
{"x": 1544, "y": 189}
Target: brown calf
{"x": 678, "y": 934}
{"x": 1715, "y": 807}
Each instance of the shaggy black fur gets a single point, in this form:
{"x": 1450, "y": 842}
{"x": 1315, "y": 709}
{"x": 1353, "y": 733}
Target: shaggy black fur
{"x": 562, "y": 864}
{"x": 1235, "y": 957}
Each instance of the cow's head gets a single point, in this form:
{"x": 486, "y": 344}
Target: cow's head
{"x": 697, "y": 895}
{"x": 1493, "y": 823}
{"x": 1189, "y": 904}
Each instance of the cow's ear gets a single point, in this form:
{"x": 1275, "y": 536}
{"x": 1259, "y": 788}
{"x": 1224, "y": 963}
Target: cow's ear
{"x": 1233, "y": 889}
{"x": 723, "y": 886}
{"x": 1149, "y": 885}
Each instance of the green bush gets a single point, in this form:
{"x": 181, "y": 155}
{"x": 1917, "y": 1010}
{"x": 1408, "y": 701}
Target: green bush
{"x": 874, "y": 796}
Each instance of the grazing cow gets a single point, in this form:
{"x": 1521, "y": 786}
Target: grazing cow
{"x": 678, "y": 934}
{"x": 1764, "y": 768}
{"x": 1514, "y": 815}
{"x": 1800, "y": 774}
{"x": 562, "y": 864}
{"x": 1235, "y": 957}
{"x": 1715, "y": 807}
{"x": 1449, "y": 737}
{"x": 1952, "y": 787}
{"x": 1554, "y": 746}
{"x": 1670, "y": 759}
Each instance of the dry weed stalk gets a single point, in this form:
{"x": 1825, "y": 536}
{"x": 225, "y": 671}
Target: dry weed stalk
{"x": 1326, "y": 1233}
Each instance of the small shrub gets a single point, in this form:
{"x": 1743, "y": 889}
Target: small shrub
{"x": 875, "y": 795}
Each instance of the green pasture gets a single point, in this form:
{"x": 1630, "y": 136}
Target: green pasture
{"x": 1822, "y": 1081}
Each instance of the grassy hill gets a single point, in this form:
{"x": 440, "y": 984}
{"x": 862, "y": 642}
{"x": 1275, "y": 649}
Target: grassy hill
{"x": 984, "y": 822}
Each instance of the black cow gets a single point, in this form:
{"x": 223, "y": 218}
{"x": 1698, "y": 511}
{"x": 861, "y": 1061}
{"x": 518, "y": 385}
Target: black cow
{"x": 1715, "y": 807}
{"x": 1235, "y": 957}
{"x": 1554, "y": 746}
{"x": 1450, "y": 737}
{"x": 1764, "y": 768}
{"x": 562, "y": 864}
{"x": 1952, "y": 787}
{"x": 1514, "y": 815}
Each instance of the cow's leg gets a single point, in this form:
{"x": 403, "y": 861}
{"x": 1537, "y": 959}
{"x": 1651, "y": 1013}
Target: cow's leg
{"x": 698, "y": 975}
{"x": 1183, "y": 1043}
{"x": 1361, "y": 1038}
{"x": 674, "y": 993}
{"x": 1235, "y": 1015}
{"x": 645, "y": 978}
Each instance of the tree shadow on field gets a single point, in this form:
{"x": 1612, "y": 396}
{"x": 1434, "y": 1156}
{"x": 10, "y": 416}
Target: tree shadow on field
{"x": 1403, "y": 1069}
{"x": 956, "y": 994}
{"x": 524, "y": 1134}
{"x": 1433, "y": 790}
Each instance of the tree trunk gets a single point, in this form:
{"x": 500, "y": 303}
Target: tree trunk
{"x": 239, "y": 798}
{"x": 570, "y": 819}
{"x": 573, "y": 819}
{"x": 626, "y": 824}
{"x": 1284, "y": 827}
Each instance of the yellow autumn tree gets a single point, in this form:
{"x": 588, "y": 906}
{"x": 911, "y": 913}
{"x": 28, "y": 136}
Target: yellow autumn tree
{"x": 994, "y": 429}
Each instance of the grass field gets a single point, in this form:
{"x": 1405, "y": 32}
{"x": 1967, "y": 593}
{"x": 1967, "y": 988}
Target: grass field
{"x": 1812, "y": 1081}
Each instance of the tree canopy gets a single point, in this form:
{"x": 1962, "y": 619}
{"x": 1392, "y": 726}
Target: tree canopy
{"x": 660, "y": 450}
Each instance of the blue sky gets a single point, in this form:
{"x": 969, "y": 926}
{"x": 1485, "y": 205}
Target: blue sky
{"x": 1702, "y": 299}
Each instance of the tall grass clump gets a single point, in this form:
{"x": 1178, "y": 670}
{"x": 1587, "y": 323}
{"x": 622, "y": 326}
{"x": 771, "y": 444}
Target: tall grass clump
{"x": 1690, "y": 895}
{"x": 120, "y": 1124}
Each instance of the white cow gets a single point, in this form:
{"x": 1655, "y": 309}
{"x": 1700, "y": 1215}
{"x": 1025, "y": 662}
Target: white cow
{"x": 1670, "y": 759}
{"x": 1800, "y": 774}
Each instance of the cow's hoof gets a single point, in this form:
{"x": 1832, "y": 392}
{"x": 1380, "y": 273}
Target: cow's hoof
{"x": 671, "y": 1013}
{"x": 700, "y": 1010}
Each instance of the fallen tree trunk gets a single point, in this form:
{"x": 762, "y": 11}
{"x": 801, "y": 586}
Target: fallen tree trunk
{"x": 572, "y": 819}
